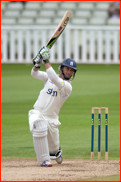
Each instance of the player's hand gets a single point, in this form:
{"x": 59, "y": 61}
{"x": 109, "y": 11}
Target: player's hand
{"x": 44, "y": 52}
{"x": 37, "y": 61}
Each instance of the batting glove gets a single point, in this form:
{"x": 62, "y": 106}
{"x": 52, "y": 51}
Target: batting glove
{"x": 44, "y": 52}
{"x": 37, "y": 61}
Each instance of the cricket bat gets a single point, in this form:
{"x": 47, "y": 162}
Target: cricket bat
{"x": 59, "y": 29}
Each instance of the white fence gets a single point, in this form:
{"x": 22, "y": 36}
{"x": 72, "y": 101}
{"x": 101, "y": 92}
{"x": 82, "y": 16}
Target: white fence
{"x": 85, "y": 44}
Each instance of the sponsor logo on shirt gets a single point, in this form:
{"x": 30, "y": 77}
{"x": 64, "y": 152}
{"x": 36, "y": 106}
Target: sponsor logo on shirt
{"x": 52, "y": 92}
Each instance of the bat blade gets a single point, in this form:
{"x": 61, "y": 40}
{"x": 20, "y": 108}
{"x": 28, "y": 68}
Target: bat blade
{"x": 62, "y": 25}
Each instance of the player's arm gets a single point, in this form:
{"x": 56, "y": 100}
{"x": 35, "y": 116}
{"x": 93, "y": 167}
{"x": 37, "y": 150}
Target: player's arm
{"x": 41, "y": 75}
{"x": 50, "y": 71}
{"x": 64, "y": 86}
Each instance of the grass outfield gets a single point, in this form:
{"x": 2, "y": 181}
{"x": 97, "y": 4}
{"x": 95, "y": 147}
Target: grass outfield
{"x": 93, "y": 86}
{"x": 104, "y": 178}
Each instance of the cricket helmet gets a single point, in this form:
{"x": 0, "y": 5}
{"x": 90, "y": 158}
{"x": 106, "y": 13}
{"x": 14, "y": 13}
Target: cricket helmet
{"x": 71, "y": 64}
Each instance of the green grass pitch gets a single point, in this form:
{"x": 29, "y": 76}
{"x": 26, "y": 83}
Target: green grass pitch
{"x": 93, "y": 86}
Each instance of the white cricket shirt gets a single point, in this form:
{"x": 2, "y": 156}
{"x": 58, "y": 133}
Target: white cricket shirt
{"x": 54, "y": 93}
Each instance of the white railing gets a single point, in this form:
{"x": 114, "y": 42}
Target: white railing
{"x": 85, "y": 44}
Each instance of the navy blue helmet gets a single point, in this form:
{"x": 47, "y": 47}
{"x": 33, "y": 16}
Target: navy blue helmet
{"x": 71, "y": 64}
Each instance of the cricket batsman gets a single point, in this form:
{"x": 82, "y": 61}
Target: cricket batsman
{"x": 44, "y": 117}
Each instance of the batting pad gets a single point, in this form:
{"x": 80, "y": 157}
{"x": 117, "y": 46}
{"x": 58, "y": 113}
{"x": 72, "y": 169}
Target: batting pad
{"x": 34, "y": 117}
{"x": 39, "y": 128}
{"x": 41, "y": 149}
{"x": 40, "y": 141}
